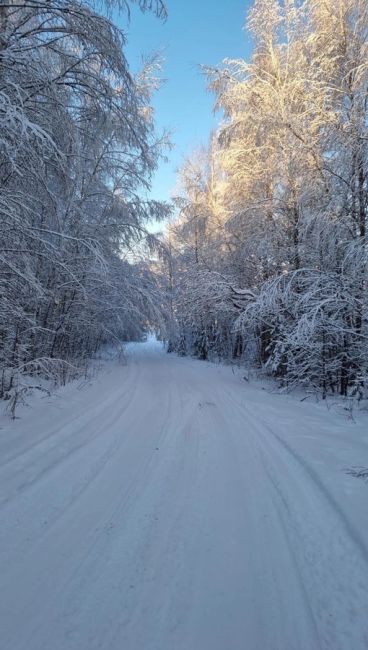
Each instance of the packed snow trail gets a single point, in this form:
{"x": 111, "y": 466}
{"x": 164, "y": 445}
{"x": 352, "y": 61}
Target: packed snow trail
{"x": 169, "y": 505}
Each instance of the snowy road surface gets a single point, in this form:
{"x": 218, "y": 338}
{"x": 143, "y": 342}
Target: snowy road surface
{"x": 169, "y": 505}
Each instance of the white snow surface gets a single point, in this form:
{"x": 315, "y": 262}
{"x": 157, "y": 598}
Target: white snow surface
{"x": 170, "y": 505}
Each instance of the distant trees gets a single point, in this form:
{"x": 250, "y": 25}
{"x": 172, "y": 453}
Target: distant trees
{"x": 270, "y": 255}
{"x": 77, "y": 148}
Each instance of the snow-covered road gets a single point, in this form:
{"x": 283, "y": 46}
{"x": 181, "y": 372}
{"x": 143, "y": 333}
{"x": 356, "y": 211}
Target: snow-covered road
{"x": 170, "y": 505}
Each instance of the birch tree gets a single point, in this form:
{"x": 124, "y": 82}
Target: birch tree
{"x": 291, "y": 255}
{"x": 77, "y": 150}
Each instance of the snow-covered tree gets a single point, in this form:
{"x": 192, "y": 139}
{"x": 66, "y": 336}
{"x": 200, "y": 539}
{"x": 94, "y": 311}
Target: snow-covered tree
{"x": 291, "y": 169}
{"x": 77, "y": 149}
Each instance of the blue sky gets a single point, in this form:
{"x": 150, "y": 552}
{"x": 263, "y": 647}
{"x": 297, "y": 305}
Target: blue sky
{"x": 196, "y": 32}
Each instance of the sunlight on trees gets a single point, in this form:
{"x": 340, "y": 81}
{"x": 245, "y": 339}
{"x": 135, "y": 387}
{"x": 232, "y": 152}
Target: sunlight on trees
{"x": 269, "y": 251}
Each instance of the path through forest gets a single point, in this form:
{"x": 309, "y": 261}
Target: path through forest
{"x": 170, "y": 505}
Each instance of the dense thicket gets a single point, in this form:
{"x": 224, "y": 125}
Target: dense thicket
{"x": 77, "y": 148}
{"x": 269, "y": 251}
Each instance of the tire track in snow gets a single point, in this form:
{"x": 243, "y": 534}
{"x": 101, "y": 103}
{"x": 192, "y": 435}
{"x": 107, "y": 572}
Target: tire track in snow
{"x": 336, "y": 581}
{"x": 104, "y": 546}
{"x": 9, "y": 473}
{"x": 66, "y": 424}
{"x": 195, "y": 530}
{"x": 68, "y": 529}
{"x": 272, "y": 526}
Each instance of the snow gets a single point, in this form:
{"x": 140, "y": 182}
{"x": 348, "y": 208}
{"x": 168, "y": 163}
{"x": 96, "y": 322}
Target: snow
{"x": 169, "y": 505}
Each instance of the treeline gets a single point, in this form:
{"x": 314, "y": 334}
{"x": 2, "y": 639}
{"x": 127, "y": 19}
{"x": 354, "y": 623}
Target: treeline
{"x": 77, "y": 148}
{"x": 269, "y": 250}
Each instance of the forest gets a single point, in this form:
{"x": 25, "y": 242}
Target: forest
{"x": 268, "y": 250}
{"x": 77, "y": 149}
{"x": 263, "y": 256}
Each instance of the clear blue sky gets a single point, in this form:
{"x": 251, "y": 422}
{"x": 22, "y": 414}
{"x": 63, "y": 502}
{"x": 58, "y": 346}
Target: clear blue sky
{"x": 196, "y": 32}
